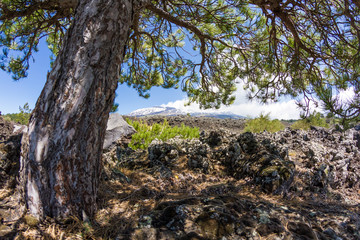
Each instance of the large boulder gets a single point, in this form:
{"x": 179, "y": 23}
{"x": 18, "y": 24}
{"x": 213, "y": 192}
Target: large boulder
{"x": 117, "y": 128}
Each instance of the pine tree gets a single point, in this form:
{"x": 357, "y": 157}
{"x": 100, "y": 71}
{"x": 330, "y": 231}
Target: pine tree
{"x": 296, "y": 48}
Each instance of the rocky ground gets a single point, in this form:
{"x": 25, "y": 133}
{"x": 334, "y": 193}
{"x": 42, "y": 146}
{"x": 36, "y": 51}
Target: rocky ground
{"x": 203, "y": 123}
{"x": 226, "y": 185}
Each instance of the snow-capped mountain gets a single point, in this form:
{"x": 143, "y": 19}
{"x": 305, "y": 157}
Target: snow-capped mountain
{"x": 158, "y": 110}
{"x": 171, "y": 111}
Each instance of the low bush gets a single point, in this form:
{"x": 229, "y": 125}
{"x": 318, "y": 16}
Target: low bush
{"x": 314, "y": 119}
{"x": 263, "y": 123}
{"x": 22, "y": 117}
{"x": 146, "y": 134}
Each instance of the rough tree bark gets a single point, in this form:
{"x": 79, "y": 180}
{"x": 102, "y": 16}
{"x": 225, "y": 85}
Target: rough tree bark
{"x": 60, "y": 163}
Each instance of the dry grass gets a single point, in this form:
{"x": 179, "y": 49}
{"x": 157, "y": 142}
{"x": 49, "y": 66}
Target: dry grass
{"x": 121, "y": 204}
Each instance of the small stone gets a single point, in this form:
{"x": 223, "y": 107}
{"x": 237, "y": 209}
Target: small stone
{"x": 4, "y": 230}
{"x": 331, "y": 233}
{"x": 31, "y": 220}
{"x": 301, "y": 229}
{"x": 144, "y": 234}
{"x": 312, "y": 214}
{"x": 306, "y": 137}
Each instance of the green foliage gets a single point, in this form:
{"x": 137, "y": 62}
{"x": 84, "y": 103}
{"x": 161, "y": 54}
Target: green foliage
{"x": 146, "y": 134}
{"x": 114, "y": 108}
{"x": 263, "y": 123}
{"x": 22, "y": 117}
{"x": 315, "y": 119}
{"x": 204, "y": 47}
{"x": 22, "y": 24}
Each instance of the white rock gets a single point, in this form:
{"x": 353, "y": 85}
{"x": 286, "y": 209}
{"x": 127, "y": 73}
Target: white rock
{"x": 117, "y": 128}
{"x": 20, "y": 128}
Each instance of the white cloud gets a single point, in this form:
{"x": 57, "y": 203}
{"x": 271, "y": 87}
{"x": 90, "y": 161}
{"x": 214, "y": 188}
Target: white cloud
{"x": 284, "y": 109}
{"x": 279, "y": 110}
{"x": 346, "y": 96}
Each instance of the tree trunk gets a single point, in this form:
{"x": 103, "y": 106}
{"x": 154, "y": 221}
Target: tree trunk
{"x": 61, "y": 153}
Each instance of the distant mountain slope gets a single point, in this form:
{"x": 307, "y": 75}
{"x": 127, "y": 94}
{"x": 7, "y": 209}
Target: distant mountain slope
{"x": 158, "y": 110}
{"x": 171, "y": 111}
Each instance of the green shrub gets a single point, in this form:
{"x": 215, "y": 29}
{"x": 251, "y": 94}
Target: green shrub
{"x": 146, "y": 134}
{"x": 315, "y": 119}
{"x": 263, "y": 123}
{"x": 22, "y": 117}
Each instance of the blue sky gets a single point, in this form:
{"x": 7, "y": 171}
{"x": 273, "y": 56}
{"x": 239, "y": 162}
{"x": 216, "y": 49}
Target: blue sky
{"x": 16, "y": 93}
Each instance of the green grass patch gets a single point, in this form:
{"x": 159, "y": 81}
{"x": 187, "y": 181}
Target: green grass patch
{"x": 146, "y": 133}
{"x": 263, "y": 123}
